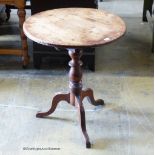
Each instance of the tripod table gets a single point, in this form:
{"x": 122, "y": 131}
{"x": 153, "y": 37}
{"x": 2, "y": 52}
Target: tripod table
{"x": 74, "y": 29}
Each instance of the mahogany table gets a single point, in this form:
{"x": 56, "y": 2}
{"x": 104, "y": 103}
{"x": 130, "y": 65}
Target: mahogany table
{"x": 74, "y": 29}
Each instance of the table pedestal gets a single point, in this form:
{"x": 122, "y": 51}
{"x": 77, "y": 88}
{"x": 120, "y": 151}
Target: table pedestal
{"x": 76, "y": 94}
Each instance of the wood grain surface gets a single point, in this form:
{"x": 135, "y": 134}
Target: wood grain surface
{"x": 74, "y": 27}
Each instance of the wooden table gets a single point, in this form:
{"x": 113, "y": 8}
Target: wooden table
{"x": 74, "y": 29}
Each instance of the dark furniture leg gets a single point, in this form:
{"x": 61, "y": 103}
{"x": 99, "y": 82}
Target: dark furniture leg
{"x": 8, "y": 11}
{"x": 76, "y": 94}
{"x": 90, "y": 96}
{"x": 57, "y": 98}
{"x": 147, "y": 5}
{"x": 81, "y": 112}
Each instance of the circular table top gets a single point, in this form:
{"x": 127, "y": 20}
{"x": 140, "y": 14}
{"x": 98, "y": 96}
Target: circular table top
{"x": 74, "y": 27}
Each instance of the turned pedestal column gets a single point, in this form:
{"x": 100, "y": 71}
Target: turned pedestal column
{"x": 76, "y": 94}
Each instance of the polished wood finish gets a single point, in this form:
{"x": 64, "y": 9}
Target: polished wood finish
{"x": 76, "y": 94}
{"x": 23, "y": 52}
{"x": 85, "y": 28}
